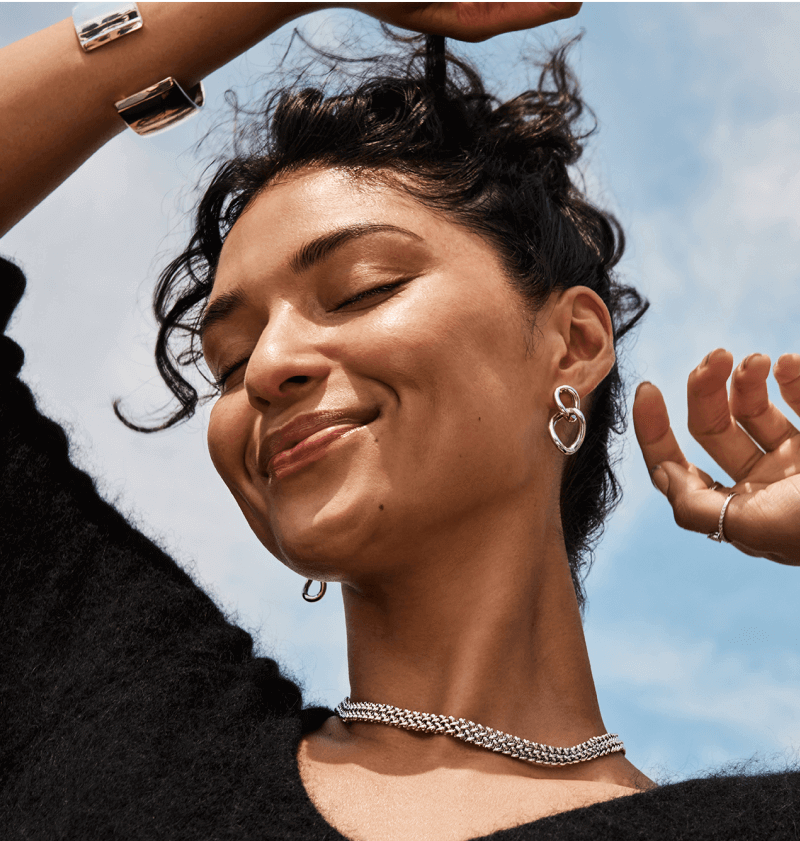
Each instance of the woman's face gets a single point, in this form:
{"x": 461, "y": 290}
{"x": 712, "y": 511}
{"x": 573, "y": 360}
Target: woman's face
{"x": 384, "y": 393}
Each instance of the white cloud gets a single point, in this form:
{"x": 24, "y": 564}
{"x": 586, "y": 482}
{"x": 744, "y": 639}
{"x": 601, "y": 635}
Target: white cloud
{"x": 689, "y": 679}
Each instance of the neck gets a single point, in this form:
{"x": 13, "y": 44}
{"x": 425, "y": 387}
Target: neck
{"x": 480, "y": 628}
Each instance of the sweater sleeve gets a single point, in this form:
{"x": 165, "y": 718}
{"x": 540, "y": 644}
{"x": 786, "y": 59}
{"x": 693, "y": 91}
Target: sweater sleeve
{"x": 124, "y": 689}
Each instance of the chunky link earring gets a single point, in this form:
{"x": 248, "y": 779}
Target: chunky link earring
{"x": 570, "y": 414}
{"x": 322, "y": 588}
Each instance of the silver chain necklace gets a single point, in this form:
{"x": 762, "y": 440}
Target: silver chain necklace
{"x": 477, "y": 734}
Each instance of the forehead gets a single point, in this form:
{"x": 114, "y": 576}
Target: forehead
{"x": 301, "y": 207}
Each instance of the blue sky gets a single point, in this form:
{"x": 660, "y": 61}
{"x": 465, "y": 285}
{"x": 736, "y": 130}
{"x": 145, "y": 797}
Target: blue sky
{"x": 695, "y": 648}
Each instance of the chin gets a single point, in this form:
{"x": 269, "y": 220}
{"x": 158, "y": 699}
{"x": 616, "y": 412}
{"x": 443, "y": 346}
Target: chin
{"x": 324, "y": 532}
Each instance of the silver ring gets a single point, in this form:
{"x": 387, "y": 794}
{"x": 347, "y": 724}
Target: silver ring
{"x": 719, "y": 534}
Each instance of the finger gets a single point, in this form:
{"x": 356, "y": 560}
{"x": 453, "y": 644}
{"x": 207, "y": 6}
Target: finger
{"x": 751, "y": 407}
{"x": 468, "y": 21}
{"x": 787, "y": 374}
{"x": 655, "y": 436}
{"x": 694, "y": 506}
{"x": 766, "y": 523}
{"x": 652, "y": 427}
{"x": 710, "y": 421}
{"x": 767, "y": 528}
{"x": 478, "y": 21}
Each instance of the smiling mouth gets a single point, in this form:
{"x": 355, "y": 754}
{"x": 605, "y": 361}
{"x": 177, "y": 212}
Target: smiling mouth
{"x": 311, "y": 448}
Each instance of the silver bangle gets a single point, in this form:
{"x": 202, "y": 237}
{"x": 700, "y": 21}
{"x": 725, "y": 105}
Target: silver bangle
{"x": 161, "y": 106}
{"x": 97, "y": 24}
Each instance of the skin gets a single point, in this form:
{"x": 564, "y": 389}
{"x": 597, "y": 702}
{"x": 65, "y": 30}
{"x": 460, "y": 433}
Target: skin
{"x": 440, "y": 517}
{"x": 748, "y": 437}
{"x": 44, "y": 142}
{"x": 475, "y": 615}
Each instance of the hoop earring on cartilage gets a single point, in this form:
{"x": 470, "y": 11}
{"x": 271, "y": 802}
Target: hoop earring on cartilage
{"x": 570, "y": 414}
{"x": 308, "y": 597}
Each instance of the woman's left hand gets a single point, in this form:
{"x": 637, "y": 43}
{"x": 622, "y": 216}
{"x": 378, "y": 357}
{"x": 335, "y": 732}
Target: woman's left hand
{"x": 748, "y": 437}
{"x": 468, "y": 21}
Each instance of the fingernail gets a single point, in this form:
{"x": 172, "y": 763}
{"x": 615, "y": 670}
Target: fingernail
{"x": 748, "y": 359}
{"x": 705, "y": 361}
{"x": 643, "y": 382}
{"x": 659, "y": 479}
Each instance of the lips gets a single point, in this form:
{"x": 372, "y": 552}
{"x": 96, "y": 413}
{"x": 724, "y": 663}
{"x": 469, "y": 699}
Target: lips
{"x": 305, "y": 438}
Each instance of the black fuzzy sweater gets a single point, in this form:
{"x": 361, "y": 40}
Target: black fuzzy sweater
{"x": 130, "y": 708}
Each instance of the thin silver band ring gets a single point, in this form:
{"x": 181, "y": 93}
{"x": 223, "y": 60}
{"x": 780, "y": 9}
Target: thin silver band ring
{"x": 719, "y": 534}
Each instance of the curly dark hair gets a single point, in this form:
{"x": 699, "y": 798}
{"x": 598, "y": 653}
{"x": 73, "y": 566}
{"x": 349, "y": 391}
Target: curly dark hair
{"x": 499, "y": 168}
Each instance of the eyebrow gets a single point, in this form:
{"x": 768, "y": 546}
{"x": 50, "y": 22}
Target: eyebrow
{"x": 220, "y": 309}
{"x": 322, "y": 247}
{"x": 302, "y": 260}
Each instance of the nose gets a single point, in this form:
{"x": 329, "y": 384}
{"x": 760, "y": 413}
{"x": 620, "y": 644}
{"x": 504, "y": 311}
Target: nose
{"x": 287, "y": 363}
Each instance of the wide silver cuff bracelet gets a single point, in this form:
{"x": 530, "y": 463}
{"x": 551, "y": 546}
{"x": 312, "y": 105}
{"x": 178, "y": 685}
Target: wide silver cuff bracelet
{"x": 97, "y": 24}
{"x": 160, "y": 106}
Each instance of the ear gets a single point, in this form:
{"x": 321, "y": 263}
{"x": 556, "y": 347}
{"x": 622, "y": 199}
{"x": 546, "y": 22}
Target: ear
{"x": 584, "y": 346}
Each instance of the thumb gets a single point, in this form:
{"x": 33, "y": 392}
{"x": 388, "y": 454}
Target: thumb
{"x": 694, "y": 505}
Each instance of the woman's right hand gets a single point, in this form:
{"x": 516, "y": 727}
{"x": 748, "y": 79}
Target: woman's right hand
{"x": 468, "y": 21}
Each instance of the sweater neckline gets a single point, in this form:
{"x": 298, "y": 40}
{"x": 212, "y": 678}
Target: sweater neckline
{"x": 316, "y": 821}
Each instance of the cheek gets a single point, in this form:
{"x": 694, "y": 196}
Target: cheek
{"x": 229, "y": 436}
{"x": 462, "y": 358}
{"x": 462, "y": 376}
{"x": 224, "y": 438}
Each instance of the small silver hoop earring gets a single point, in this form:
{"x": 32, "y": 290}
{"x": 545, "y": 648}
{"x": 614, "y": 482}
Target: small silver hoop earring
{"x": 570, "y": 414}
{"x": 308, "y": 597}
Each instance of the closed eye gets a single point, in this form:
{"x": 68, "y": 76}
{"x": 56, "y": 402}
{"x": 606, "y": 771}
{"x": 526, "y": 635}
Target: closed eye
{"x": 226, "y": 372}
{"x": 376, "y": 291}
{"x": 384, "y": 289}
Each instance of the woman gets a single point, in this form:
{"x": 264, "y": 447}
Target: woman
{"x": 399, "y": 435}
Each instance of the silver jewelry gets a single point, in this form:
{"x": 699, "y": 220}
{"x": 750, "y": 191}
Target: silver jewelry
{"x": 161, "y": 106}
{"x": 308, "y": 597}
{"x": 571, "y": 414}
{"x": 477, "y": 734}
{"x": 719, "y": 534}
{"x": 97, "y": 24}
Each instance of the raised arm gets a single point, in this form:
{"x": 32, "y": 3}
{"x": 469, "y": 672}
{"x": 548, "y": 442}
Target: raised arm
{"x": 57, "y": 102}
